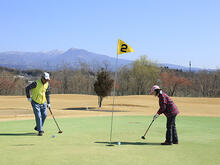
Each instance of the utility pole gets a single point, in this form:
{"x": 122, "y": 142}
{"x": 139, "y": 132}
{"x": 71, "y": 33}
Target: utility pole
{"x": 190, "y": 64}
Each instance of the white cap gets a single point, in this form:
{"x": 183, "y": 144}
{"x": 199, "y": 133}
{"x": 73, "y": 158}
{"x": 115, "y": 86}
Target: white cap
{"x": 46, "y": 76}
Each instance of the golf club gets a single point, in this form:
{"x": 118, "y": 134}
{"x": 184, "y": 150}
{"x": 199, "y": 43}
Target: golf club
{"x": 55, "y": 121}
{"x": 143, "y": 137}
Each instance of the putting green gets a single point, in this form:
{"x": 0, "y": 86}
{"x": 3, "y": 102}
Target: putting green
{"x": 85, "y": 141}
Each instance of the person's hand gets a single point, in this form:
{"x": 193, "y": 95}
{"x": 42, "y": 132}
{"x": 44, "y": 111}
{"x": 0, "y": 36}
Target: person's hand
{"x": 156, "y": 116}
{"x": 48, "y": 106}
{"x": 30, "y": 99}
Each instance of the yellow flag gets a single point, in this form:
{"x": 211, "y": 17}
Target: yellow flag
{"x": 123, "y": 47}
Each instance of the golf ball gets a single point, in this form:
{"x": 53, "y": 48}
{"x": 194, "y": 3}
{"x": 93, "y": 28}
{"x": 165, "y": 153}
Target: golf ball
{"x": 119, "y": 143}
{"x": 53, "y": 136}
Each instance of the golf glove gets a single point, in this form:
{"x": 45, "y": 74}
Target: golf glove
{"x": 30, "y": 99}
{"x": 156, "y": 116}
{"x": 48, "y": 106}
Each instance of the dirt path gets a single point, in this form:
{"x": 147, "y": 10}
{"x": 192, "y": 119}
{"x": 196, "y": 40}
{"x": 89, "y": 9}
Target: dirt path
{"x": 17, "y": 107}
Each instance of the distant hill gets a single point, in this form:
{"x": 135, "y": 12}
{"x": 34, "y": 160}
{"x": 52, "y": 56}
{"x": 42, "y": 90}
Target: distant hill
{"x": 185, "y": 69}
{"x": 54, "y": 60}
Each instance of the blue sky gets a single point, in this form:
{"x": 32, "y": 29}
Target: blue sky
{"x": 166, "y": 31}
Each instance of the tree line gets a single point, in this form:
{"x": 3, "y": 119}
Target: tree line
{"x": 134, "y": 79}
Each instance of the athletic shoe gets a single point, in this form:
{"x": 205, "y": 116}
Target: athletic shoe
{"x": 175, "y": 143}
{"x": 40, "y": 133}
{"x": 35, "y": 128}
{"x": 166, "y": 143}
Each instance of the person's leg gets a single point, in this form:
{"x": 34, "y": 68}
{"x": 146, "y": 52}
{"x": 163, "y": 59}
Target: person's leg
{"x": 43, "y": 112}
{"x": 37, "y": 113}
{"x": 169, "y": 130}
{"x": 174, "y": 131}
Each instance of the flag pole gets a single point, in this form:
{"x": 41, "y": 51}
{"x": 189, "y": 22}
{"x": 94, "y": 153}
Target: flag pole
{"x": 122, "y": 48}
{"x": 113, "y": 104}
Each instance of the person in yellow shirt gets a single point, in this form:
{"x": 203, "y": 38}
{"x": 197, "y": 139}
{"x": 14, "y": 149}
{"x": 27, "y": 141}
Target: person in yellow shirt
{"x": 40, "y": 91}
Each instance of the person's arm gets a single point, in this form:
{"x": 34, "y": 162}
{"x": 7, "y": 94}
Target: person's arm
{"x": 48, "y": 94}
{"x": 29, "y": 87}
{"x": 162, "y": 109}
{"x": 163, "y": 105}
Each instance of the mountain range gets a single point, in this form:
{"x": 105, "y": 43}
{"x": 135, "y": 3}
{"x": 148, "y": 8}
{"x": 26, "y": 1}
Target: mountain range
{"x": 73, "y": 58}
{"x": 56, "y": 59}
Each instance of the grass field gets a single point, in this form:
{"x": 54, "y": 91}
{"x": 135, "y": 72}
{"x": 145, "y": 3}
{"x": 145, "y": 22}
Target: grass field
{"x": 86, "y": 132}
{"x": 84, "y": 141}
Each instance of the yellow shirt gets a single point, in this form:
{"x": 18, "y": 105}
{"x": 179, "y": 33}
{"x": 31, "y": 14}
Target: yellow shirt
{"x": 38, "y": 93}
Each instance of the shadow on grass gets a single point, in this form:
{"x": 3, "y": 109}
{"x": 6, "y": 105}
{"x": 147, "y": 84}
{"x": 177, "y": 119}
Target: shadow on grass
{"x": 18, "y": 134}
{"x": 127, "y": 143}
{"x": 90, "y": 109}
{"x": 22, "y": 145}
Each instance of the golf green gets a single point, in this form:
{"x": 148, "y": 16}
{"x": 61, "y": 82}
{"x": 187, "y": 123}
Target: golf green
{"x": 85, "y": 141}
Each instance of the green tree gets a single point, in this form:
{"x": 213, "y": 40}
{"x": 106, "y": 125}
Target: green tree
{"x": 103, "y": 85}
{"x": 145, "y": 74}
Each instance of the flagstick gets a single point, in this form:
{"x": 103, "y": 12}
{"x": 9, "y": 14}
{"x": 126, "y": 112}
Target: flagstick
{"x": 122, "y": 48}
{"x": 113, "y": 104}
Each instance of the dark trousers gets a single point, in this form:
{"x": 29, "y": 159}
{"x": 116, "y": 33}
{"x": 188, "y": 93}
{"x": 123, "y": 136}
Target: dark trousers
{"x": 171, "y": 134}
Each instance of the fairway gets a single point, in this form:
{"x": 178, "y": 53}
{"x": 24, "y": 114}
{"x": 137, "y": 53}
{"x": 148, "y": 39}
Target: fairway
{"x": 84, "y": 141}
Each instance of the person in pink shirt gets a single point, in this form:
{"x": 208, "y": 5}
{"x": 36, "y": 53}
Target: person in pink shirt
{"x": 170, "y": 110}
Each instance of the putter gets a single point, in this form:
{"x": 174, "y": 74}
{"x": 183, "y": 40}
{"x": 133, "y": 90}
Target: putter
{"x": 55, "y": 121}
{"x": 143, "y": 137}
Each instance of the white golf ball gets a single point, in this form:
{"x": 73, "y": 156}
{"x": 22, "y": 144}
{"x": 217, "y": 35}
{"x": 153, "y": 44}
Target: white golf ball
{"x": 53, "y": 136}
{"x": 119, "y": 143}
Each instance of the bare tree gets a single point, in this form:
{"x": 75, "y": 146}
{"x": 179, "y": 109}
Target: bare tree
{"x": 124, "y": 86}
{"x": 171, "y": 82}
{"x": 207, "y": 83}
{"x": 55, "y": 85}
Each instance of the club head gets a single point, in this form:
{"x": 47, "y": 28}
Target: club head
{"x": 60, "y": 131}
{"x": 142, "y": 137}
